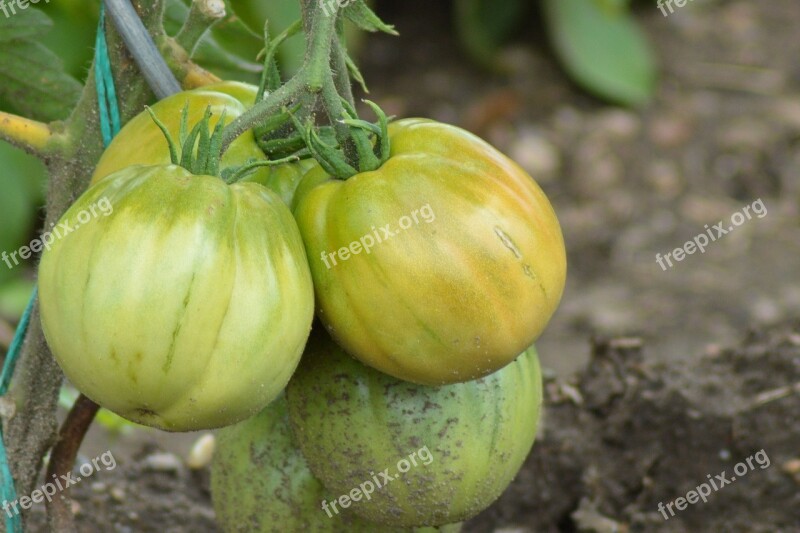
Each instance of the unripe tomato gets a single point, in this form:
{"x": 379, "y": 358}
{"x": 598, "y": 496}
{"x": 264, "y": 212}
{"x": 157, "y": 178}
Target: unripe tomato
{"x": 450, "y": 451}
{"x": 184, "y": 304}
{"x": 260, "y": 483}
{"x": 141, "y": 142}
{"x": 439, "y": 267}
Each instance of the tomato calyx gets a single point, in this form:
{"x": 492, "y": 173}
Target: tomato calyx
{"x": 205, "y": 159}
{"x": 366, "y": 149}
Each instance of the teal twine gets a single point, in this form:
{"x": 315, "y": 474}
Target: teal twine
{"x": 109, "y": 126}
{"x": 106, "y": 93}
{"x": 12, "y": 519}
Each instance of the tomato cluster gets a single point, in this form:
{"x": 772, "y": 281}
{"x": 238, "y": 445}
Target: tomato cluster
{"x": 189, "y": 307}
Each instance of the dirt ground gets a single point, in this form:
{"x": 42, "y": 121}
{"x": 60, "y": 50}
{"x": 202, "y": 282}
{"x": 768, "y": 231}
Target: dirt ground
{"x": 659, "y": 380}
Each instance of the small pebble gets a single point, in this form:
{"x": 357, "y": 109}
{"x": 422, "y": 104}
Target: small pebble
{"x": 202, "y": 451}
{"x": 118, "y": 494}
{"x": 618, "y": 123}
{"x": 162, "y": 462}
{"x": 537, "y": 155}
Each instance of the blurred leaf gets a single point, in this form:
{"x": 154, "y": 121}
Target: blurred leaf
{"x": 14, "y": 295}
{"x": 613, "y": 6}
{"x": 603, "y": 51}
{"x": 34, "y": 81}
{"x": 26, "y": 23}
{"x": 228, "y": 50}
{"x": 21, "y": 191}
{"x": 73, "y": 34}
{"x": 281, "y": 14}
{"x": 483, "y": 26}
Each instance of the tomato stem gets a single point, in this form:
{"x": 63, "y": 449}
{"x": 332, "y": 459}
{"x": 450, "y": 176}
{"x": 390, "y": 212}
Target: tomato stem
{"x": 324, "y": 80}
{"x": 202, "y": 15}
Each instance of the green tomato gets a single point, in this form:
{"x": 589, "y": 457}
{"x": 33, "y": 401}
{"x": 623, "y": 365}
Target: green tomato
{"x": 435, "y": 455}
{"x": 175, "y": 300}
{"x": 283, "y": 180}
{"x": 439, "y": 267}
{"x": 260, "y": 481}
{"x": 141, "y": 142}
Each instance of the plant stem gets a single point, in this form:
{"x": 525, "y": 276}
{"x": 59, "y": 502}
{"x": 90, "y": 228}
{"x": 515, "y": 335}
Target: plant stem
{"x": 202, "y": 15}
{"x": 30, "y": 135}
{"x": 317, "y": 62}
{"x": 339, "y": 64}
{"x": 62, "y": 460}
{"x": 310, "y": 80}
{"x": 253, "y": 116}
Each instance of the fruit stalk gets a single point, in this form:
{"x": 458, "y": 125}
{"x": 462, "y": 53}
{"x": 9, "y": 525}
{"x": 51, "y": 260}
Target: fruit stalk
{"x": 305, "y": 85}
{"x": 62, "y": 458}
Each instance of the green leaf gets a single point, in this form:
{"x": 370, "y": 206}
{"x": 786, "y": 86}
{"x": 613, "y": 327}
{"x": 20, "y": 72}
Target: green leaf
{"x": 360, "y": 14}
{"x": 34, "y": 81}
{"x": 602, "y": 49}
{"x": 14, "y": 296}
{"x": 483, "y": 26}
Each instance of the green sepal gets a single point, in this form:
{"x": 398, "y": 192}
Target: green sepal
{"x": 329, "y": 158}
{"x": 355, "y": 72}
{"x": 216, "y": 146}
{"x": 173, "y": 151}
{"x": 234, "y": 174}
{"x": 270, "y": 77}
{"x": 283, "y": 146}
{"x": 200, "y": 162}
{"x": 187, "y": 149}
{"x": 383, "y": 146}
{"x": 184, "y": 128}
{"x": 367, "y": 160}
{"x": 206, "y": 159}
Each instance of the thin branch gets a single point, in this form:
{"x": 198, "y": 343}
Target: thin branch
{"x": 202, "y": 15}
{"x": 62, "y": 460}
{"x": 30, "y": 135}
{"x": 341, "y": 72}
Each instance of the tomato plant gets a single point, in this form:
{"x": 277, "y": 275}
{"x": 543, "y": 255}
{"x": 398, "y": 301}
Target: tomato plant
{"x": 447, "y": 299}
{"x": 177, "y": 291}
{"x": 351, "y": 421}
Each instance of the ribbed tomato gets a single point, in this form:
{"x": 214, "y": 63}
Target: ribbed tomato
{"x": 185, "y": 305}
{"x": 141, "y": 142}
{"x": 260, "y": 483}
{"x": 439, "y": 267}
{"x": 432, "y": 455}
